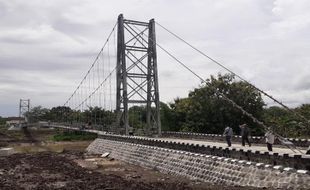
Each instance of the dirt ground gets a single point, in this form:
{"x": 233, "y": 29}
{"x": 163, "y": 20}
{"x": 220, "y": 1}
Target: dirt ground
{"x": 24, "y": 136}
{"x": 74, "y": 170}
{"x": 41, "y": 164}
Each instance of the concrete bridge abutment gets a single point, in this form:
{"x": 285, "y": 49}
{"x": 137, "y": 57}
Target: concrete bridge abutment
{"x": 203, "y": 167}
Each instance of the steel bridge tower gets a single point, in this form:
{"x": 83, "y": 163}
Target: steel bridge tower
{"x": 136, "y": 73}
{"x": 24, "y": 106}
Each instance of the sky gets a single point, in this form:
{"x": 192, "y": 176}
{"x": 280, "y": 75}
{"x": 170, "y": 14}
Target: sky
{"x": 47, "y": 46}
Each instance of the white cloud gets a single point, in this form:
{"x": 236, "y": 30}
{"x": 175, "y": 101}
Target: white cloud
{"x": 47, "y": 46}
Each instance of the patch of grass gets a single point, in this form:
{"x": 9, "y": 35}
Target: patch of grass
{"x": 74, "y": 136}
{"x": 3, "y": 128}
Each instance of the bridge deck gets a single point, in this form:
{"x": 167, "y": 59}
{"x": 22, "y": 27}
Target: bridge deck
{"x": 254, "y": 147}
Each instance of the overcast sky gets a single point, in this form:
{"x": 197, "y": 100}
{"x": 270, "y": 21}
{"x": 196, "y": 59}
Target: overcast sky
{"x": 47, "y": 46}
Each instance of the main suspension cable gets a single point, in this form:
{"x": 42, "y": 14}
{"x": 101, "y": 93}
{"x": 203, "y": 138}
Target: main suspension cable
{"x": 234, "y": 104}
{"x": 235, "y": 74}
{"x": 93, "y": 92}
{"x": 222, "y": 95}
{"x": 208, "y": 83}
{"x": 92, "y": 65}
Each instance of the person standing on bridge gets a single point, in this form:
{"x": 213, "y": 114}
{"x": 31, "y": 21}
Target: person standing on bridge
{"x": 269, "y": 139}
{"x": 245, "y": 133}
{"x": 228, "y": 133}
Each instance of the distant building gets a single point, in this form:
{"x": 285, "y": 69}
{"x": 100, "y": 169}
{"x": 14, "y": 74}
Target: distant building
{"x": 14, "y": 120}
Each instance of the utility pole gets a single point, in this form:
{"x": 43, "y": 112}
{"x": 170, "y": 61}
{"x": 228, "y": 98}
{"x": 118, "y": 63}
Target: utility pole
{"x": 137, "y": 77}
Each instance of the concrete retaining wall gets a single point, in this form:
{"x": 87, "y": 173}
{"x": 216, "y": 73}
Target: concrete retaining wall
{"x": 203, "y": 167}
{"x": 293, "y": 161}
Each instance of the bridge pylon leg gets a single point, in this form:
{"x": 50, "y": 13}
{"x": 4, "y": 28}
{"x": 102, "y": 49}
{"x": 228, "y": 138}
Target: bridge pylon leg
{"x": 137, "y": 74}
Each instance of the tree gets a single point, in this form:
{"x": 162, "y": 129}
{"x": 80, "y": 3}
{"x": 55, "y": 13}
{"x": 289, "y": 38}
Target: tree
{"x": 36, "y": 114}
{"x": 304, "y": 110}
{"x": 137, "y": 117}
{"x": 2, "y": 121}
{"x": 286, "y": 123}
{"x": 168, "y": 118}
{"x": 204, "y": 110}
{"x": 99, "y": 116}
{"x": 60, "y": 114}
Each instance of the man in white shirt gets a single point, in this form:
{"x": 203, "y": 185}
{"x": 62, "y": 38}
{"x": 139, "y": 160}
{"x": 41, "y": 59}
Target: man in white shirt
{"x": 269, "y": 139}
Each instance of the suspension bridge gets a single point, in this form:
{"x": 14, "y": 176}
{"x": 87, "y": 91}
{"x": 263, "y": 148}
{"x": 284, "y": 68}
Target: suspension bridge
{"x": 124, "y": 76}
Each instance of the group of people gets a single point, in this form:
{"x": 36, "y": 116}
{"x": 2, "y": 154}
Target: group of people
{"x": 245, "y": 134}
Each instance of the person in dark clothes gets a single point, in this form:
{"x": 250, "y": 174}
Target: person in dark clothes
{"x": 245, "y": 133}
{"x": 228, "y": 133}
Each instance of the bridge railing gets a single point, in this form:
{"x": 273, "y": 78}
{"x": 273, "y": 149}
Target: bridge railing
{"x": 295, "y": 160}
{"x": 235, "y": 138}
{"x": 79, "y": 126}
{"x": 185, "y": 135}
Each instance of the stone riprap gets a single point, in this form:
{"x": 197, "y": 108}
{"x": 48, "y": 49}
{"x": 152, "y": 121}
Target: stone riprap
{"x": 203, "y": 167}
{"x": 235, "y": 138}
{"x": 287, "y": 158}
{"x": 295, "y": 161}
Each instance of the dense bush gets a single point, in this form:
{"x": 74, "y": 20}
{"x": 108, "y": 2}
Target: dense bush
{"x": 74, "y": 136}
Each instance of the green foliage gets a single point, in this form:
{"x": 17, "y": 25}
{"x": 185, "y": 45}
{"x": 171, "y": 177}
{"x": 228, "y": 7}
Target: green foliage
{"x": 304, "y": 110}
{"x": 36, "y": 114}
{"x": 206, "y": 112}
{"x": 286, "y": 123}
{"x": 94, "y": 115}
{"x": 167, "y": 116}
{"x": 60, "y": 113}
{"x": 43, "y": 114}
{"x": 2, "y": 121}
{"x": 74, "y": 136}
{"x": 137, "y": 117}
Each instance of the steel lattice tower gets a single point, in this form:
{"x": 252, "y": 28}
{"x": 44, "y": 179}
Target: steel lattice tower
{"x": 137, "y": 77}
{"x": 24, "y": 106}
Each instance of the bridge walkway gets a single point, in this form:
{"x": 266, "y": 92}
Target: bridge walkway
{"x": 237, "y": 146}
